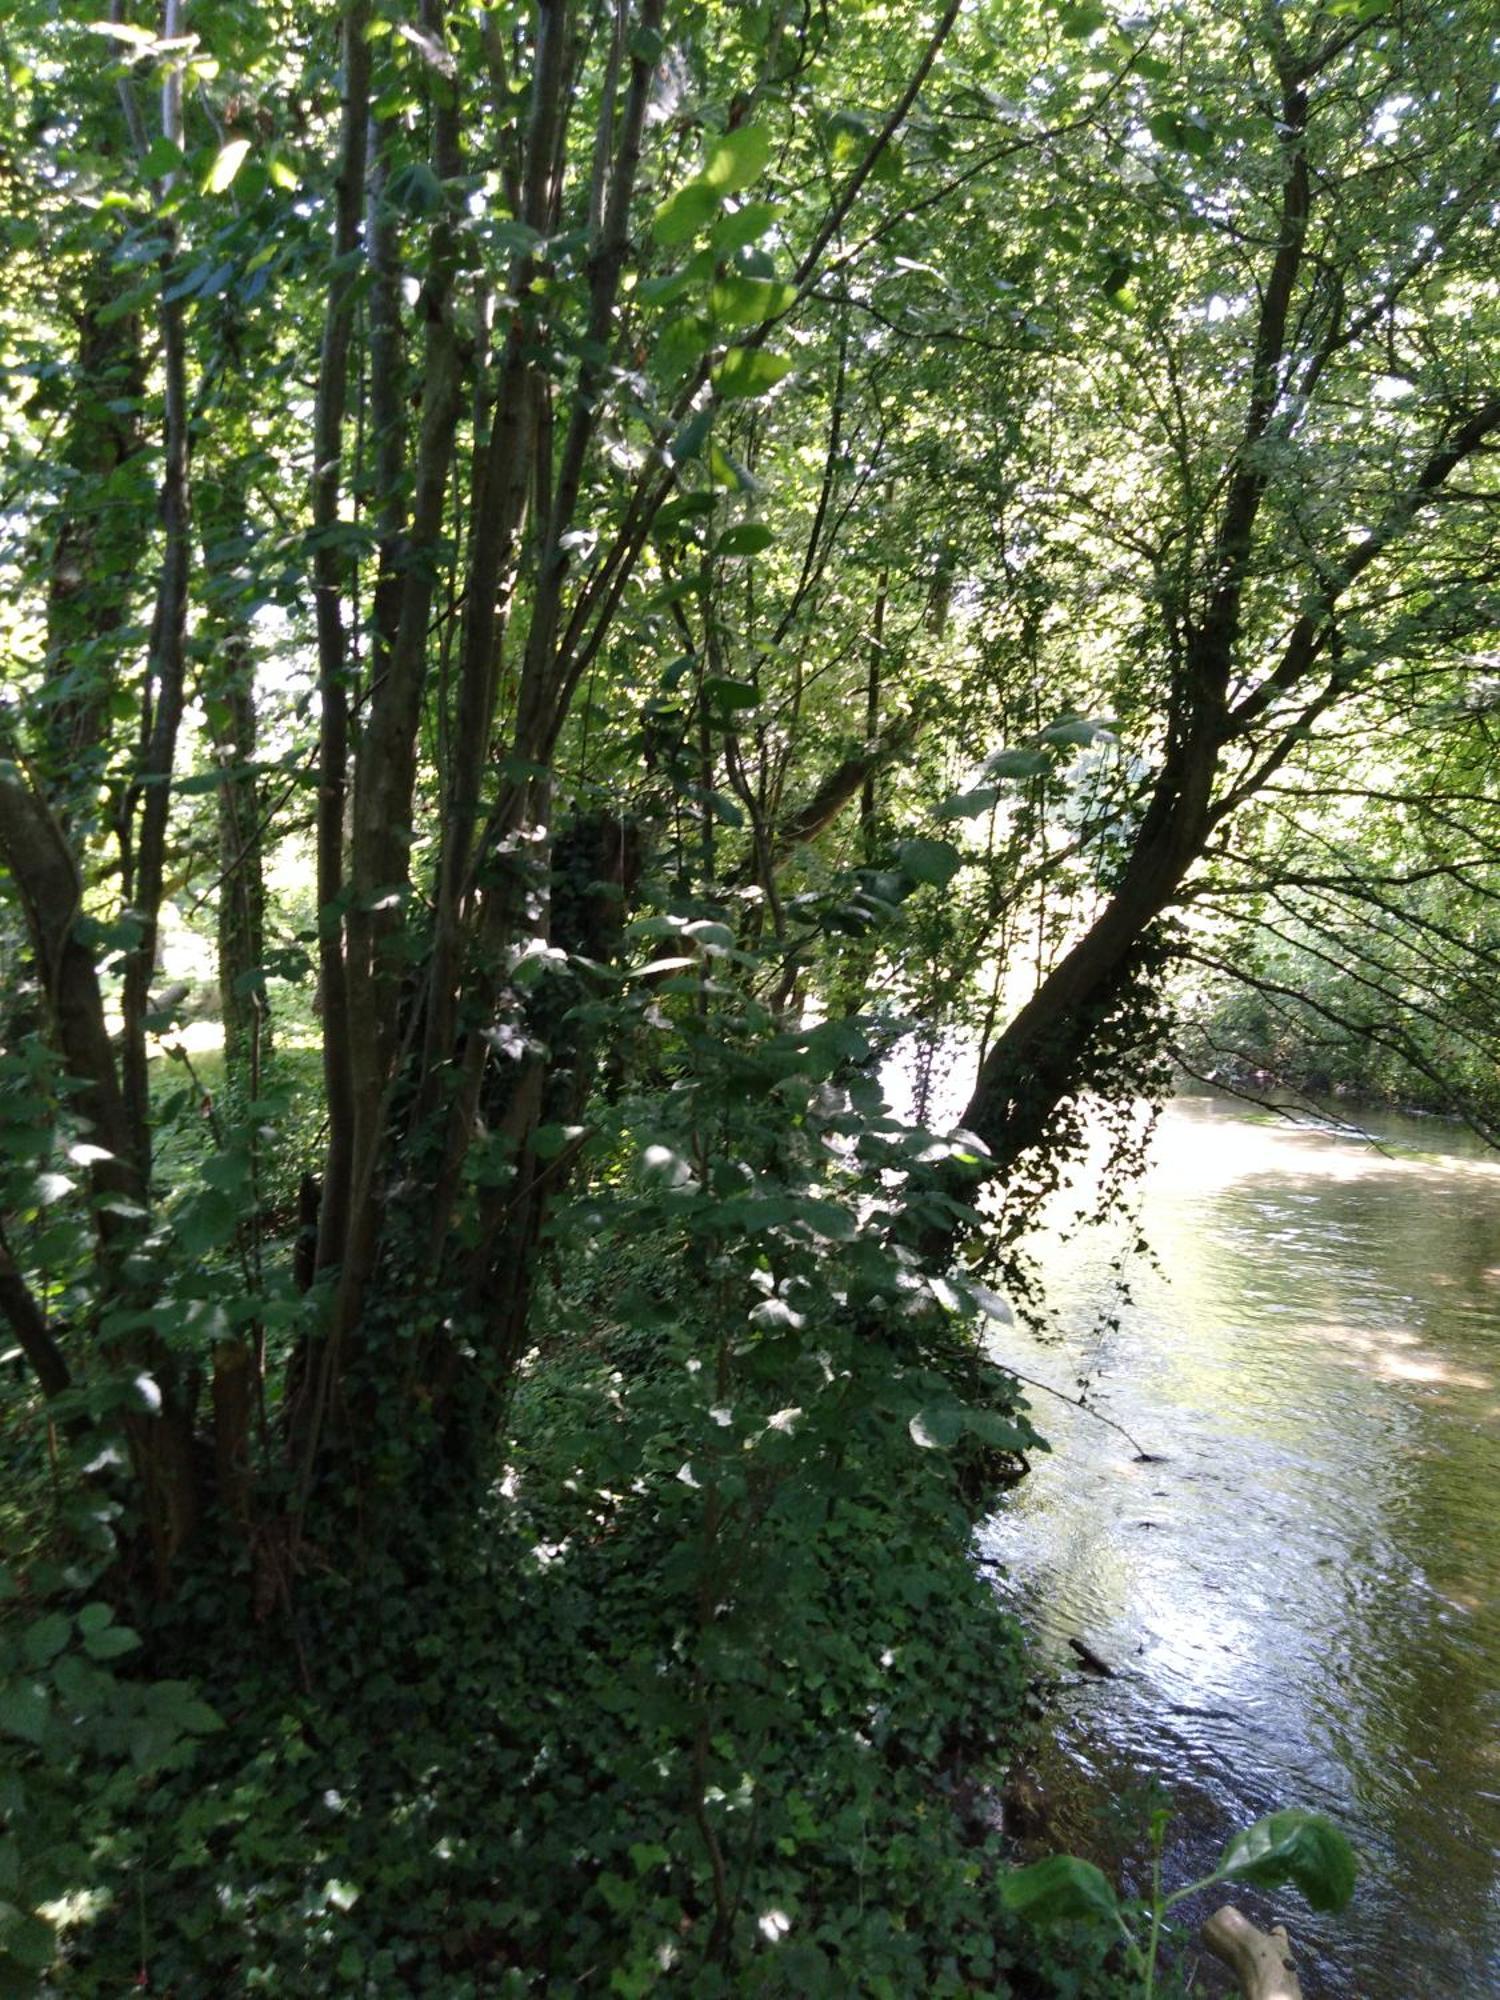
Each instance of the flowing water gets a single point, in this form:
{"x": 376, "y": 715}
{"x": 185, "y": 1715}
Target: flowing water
{"x": 1301, "y": 1601}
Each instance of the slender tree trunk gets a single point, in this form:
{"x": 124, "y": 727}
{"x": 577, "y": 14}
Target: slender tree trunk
{"x": 229, "y": 698}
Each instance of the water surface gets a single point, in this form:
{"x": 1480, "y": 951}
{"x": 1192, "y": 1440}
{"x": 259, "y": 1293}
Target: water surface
{"x": 1302, "y": 1601}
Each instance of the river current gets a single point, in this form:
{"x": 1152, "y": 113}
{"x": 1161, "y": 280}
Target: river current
{"x": 1300, "y": 1602}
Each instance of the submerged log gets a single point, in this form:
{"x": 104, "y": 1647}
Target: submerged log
{"x": 1261, "y": 1961}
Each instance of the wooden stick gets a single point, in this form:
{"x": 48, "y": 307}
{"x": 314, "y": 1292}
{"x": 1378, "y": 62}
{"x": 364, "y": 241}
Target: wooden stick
{"x": 1261, "y": 1962}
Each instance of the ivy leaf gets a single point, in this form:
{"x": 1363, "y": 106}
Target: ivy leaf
{"x": 1294, "y": 1846}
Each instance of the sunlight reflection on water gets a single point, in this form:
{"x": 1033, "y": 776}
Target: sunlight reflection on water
{"x": 1303, "y": 1601}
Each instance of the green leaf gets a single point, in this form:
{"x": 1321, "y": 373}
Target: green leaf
{"x": 934, "y": 861}
{"x": 110, "y": 1642}
{"x": 967, "y": 805}
{"x": 94, "y": 1618}
{"x": 205, "y": 1221}
{"x": 750, "y": 371}
{"x": 1082, "y": 20}
{"x": 740, "y": 301}
{"x": 1059, "y": 1890}
{"x": 825, "y": 1218}
{"x": 1074, "y": 732}
{"x": 992, "y": 1429}
{"x": 24, "y": 1710}
{"x": 29, "y": 1941}
{"x": 684, "y": 341}
{"x": 725, "y": 693}
{"x": 161, "y": 158}
{"x": 737, "y": 159}
{"x": 621, "y": 1896}
{"x": 227, "y": 163}
{"x": 937, "y": 1428}
{"x": 1294, "y": 1846}
{"x": 746, "y": 539}
{"x": 744, "y": 225}
{"x": 46, "y": 1638}
{"x": 1018, "y": 764}
{"x": 683, "y": 214}
{"x": 690, "y": 440}
{"x": 547, "y": 1141}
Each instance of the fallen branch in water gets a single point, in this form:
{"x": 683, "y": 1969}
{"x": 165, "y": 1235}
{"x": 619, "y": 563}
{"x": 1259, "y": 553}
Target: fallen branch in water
{"x": 1143, "y": 1457}
{"x": 1261, "y": 1961}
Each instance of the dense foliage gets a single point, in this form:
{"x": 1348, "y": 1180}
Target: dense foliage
{"x": 588, "y": 589}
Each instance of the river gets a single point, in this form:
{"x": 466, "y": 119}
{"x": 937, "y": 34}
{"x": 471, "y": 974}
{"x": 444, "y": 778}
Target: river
{"x": 1302, "y": 1599}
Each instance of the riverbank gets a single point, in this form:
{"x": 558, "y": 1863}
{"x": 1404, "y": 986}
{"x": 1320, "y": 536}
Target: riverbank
{"x": 552, "y": 1760}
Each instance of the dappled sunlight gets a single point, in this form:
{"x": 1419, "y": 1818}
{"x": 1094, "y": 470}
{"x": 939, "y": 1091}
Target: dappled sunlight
{"x": 1373, "y": 1348}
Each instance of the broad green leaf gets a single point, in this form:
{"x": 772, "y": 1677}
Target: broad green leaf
{"x": 690, "y": 440}
{"x": 1018, "y": 764}
{"x": 933, "y": 861}
{"x": 1074, "y": 732}
{"x": 737, "y": 159}
{"x": 1082, "y": 19}
{"x": 750, "y": 371}
{"x": 680, "y": 347}
{"x": 41, "y": 1641}
{"x": 29, "y": 1942}
{"x": 206, "y": 1220}
{"x": 227, "y": 163}
{"x": 937, "y": 1428}
{"x": 740, "y": 301}
{"x": 671, "y": 285}
{"x": 547, "y": 1141}
{"x": 110, "y": 1642}
{"x": 1294, "y": 1846}
{"x": 161, "y": 158}
{"x": 748, "y": 538}
{"x": 825, "y": 1218}
{"x": 967, "y": 805}
{"x": 24, "y": 1710}
{"x": 683, "y": 214}
{"x": 745, "y": 225}
{"x": 725, "y": 693}
{"x": 993, "y": 1429}
{"x": 1058, "y": 1890}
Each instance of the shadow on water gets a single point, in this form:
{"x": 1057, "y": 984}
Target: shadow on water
{"x": 1302, "y": 1601}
